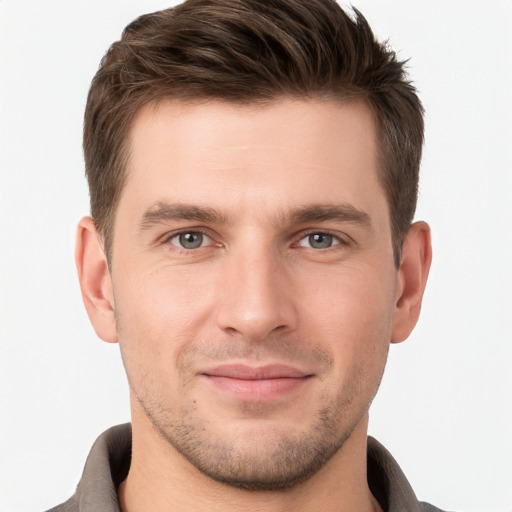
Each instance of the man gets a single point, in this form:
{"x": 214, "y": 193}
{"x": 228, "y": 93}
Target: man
{"x": 253, "y": 170}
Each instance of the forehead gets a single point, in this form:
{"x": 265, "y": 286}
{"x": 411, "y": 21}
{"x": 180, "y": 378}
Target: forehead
{"x": 241, "y": 158}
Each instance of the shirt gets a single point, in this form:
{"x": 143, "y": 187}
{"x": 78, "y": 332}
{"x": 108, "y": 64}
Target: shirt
{"x": 109, "y": 461}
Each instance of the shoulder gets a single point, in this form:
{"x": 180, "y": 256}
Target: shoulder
{"x": 68, "y": 506}
{"x": 106, "y": 467}
{"x": 388, "y": 483}
{"x": 427, "y": 507}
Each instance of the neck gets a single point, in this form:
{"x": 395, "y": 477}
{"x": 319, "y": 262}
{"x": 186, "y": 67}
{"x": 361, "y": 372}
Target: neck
{"x": 161, "y": 479}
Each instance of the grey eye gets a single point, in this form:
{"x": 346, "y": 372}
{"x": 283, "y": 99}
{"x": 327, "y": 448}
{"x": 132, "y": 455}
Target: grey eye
{"x": 319, "y": 241}
{"x": 190, "y": 240}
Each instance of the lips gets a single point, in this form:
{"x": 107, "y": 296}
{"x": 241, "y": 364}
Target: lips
{"x": 267, "y": 382}
{"x": 240, "y": 371}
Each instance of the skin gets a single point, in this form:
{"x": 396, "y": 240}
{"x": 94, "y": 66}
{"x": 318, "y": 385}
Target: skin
{"x": 263, "y": 283}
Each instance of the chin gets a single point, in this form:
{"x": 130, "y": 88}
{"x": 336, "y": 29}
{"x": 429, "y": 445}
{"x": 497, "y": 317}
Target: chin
{"x": 257, "y": 454}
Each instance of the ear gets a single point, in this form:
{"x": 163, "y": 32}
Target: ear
{"x": 411, "y": 281}
{"x": 95, "y": 280}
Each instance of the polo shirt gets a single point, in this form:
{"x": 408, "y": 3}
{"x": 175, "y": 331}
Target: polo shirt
{"x": 109, "y": 461}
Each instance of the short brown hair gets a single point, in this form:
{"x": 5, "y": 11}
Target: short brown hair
{"x": 251, "y": 51}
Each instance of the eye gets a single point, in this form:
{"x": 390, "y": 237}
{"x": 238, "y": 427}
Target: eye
{"x": 190, "y": 240}
{"x": 319, "y": 241}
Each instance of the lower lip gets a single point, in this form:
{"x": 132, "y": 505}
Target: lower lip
{"x": 257, "y": 389}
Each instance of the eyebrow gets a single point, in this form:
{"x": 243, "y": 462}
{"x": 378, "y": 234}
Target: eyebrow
{"x": 161, "y": 212}
{"x": 330, "y": 212}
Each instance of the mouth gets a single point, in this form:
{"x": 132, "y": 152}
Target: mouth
{"x": 261, "y": 383}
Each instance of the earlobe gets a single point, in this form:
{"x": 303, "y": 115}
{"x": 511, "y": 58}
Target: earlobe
{"x": 95, "y": 280}
{"x": 412, "y": 279}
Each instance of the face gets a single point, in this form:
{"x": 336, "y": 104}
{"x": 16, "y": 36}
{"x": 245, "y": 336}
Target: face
{"x": 253, "y": 282}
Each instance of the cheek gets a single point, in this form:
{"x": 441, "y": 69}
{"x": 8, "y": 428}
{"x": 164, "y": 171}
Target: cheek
{"x": 157, "y": 315}
{"x": 351, "y": 310}
{"x": 348, "y": 299}
{"x": 168, "y": 299}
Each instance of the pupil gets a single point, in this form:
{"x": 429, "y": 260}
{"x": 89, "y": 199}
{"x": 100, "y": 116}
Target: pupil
{"x": 320, "y": 240}
{"x": 191, "y": 240}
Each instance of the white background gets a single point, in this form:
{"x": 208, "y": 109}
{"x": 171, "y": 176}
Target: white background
{"x": 444, "y": 409}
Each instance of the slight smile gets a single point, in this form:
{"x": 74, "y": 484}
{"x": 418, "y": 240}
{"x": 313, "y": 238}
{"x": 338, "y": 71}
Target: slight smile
{"x": 260, "y": 383}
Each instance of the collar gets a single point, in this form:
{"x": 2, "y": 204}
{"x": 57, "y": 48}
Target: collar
{"x": 109, "y": 461}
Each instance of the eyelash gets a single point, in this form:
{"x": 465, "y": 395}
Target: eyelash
{"x": 167, "y": 239}
{"x": 340, "y": 240}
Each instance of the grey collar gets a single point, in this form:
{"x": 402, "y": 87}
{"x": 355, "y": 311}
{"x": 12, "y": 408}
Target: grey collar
{"x": 109, "y": 461}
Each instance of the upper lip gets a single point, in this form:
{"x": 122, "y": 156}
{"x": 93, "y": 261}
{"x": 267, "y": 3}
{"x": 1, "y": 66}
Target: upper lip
{"x": 246, "y": 372}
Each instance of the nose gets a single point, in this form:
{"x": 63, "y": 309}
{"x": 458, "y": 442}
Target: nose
{"x": 256, "y": 297}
